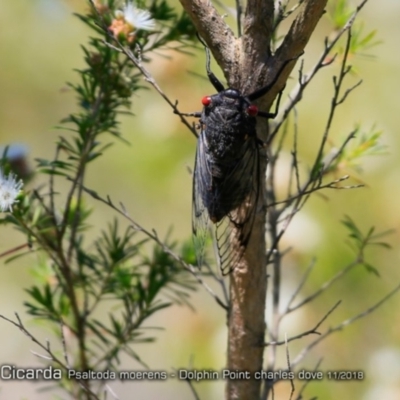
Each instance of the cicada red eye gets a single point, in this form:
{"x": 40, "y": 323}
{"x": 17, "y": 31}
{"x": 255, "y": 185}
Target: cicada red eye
{"x": 206, "y": 101}
{"x": 252, "y": 110}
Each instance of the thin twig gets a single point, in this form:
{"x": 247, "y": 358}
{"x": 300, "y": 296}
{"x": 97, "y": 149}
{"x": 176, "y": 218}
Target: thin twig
{"x": 300, "y": 285}
{"x": 153, "y": 235}
{"x": 14, "y": 249}
{"x": 296, "y": 94}
{"x": 192, "y": 389}
{"x": 324, "y": 287}
{"x": 330, "y": 185}
{"x": 343, "y": 324}
{"x": 48, "y": 350}
{"x": 334, "y": 102}
{"x": 64, "y": 344}
{"x": 299, "y": 395}
{"x": 110, "y": 390}
{"x": 289, "y": 368}
{"x": 312, "y": 331}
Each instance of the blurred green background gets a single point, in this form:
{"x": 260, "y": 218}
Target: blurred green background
{"x": 40, "y": 46}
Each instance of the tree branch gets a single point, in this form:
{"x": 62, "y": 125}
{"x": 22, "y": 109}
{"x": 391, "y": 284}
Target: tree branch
{"x": 215, "y": 32}
{"x": 301, "y": 29}
{"x": 258, "y": 31}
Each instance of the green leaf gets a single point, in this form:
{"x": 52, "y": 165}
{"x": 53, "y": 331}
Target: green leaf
{"x": 370, "y": 268}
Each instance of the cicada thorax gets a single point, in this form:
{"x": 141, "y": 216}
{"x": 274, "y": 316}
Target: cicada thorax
{"x": 228, "y": 131}
{"x": 227, "y": 120}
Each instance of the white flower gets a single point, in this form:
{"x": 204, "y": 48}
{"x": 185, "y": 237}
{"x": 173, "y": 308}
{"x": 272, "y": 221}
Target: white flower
{"x": 137, "y": 18}
{"x": 9, "y": 190}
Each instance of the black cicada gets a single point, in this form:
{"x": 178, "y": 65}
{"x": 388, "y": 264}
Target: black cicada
{"x": 226, "y": 180}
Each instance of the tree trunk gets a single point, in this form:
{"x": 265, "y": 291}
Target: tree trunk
{"x": 248, "y": 64}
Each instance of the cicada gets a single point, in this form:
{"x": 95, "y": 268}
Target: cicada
{"x": 226, "y": 178}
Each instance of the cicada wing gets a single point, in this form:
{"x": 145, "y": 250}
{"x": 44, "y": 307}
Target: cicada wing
{"x": 242, "y": 188}
{"x": 200, "y": 216}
